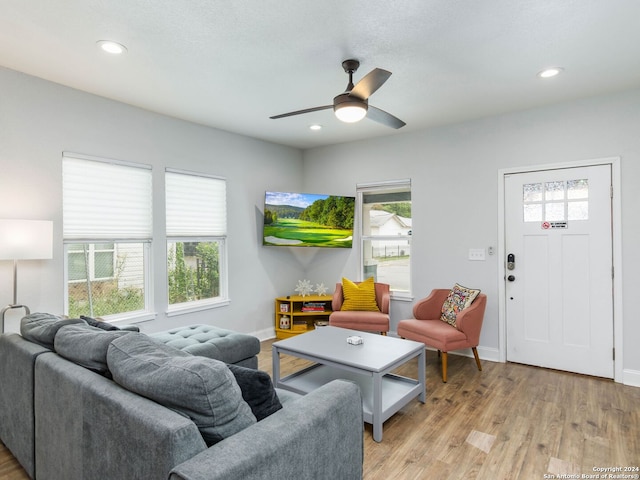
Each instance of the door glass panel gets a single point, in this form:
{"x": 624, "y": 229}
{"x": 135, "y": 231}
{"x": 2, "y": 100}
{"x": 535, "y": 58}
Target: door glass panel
{"x": 578, "y": 189}
{"x": 578, "y": 210}
{"x": 554, "y": 212}
{"x": 532, "y": 192}
{"x": 554, "y": 191}
{"x": 559, "y": 200}
{"x": 533, "y": 212}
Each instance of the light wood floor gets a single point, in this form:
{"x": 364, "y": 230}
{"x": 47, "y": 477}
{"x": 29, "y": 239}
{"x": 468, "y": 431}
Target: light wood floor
{"x": 509, "y": 421}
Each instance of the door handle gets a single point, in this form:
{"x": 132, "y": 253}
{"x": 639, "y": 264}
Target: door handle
{"x": 511, "y": 278}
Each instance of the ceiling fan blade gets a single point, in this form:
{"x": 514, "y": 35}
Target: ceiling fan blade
{"x": 371, "y": 82}
{"x": 299, "y": 112}
{"x": 383, "y": 117}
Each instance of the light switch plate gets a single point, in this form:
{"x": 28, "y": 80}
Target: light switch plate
{"x": 476, "y": 254}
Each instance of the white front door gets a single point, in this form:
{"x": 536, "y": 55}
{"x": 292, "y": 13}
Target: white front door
{"x": 559, "y": 287}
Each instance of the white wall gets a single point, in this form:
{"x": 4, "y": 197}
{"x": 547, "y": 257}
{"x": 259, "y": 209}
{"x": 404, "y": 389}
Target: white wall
{"x": 39, "y": 120}
{"x": 454, "y": 172}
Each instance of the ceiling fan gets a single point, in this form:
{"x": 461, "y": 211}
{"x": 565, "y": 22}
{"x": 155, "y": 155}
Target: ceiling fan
{"x": 353, "y": 105}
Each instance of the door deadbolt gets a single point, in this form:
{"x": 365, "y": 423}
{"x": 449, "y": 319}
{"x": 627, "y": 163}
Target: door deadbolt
{"x": 511, "y": 262}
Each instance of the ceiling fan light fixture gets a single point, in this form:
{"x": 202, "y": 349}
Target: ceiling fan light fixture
{"x": 353, "y": 104}
{"x": 350, "y": 113}
{"x": 349, "y": 109}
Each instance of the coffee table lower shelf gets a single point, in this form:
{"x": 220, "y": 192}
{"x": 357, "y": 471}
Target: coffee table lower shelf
{"x": 396, "y": 390}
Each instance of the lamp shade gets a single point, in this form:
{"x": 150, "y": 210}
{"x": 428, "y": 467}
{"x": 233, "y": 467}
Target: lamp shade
{"x": 26, "y": 239}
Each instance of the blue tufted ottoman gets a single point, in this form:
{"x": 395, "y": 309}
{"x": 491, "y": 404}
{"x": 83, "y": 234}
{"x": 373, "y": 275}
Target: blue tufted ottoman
{"x": 213, "y": 342}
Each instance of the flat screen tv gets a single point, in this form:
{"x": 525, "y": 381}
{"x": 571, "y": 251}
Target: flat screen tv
{"x": 308, "y": 220}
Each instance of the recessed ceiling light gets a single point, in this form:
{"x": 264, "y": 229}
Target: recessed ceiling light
{"x": 550, "y": 72}
{"x": 315, "y": 127}
{"x": 111, "y": 47}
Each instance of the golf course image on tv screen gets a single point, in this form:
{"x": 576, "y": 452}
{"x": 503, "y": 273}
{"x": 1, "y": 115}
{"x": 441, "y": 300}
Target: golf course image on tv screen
{"x": 308, "y": 220}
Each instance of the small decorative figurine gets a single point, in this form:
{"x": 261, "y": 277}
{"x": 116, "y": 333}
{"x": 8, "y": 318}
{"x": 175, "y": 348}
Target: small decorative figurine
{"x": 304, "y": 287}
{"x": 321, "y": 289}
{"x": 285, "y": 322}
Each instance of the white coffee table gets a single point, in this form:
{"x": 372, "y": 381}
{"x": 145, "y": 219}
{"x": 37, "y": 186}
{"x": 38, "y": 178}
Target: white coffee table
{"x": 369, "y": 365}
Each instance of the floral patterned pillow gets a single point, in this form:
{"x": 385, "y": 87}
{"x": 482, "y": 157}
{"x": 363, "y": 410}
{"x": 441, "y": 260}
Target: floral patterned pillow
{"x": 459, "y": 298}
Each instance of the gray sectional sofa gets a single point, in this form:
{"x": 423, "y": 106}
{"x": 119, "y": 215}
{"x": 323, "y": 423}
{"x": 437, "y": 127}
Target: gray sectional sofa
{"x": 65, "y": 418}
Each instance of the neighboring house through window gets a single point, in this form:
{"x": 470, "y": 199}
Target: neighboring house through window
{"x": 385, "y": 234}
{"x": 107, "y": 230}
{"x": 91, "y": 261}
{"x": 196, "y": 212}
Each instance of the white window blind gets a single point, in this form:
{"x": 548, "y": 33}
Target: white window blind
{"x": 196, "y": 205}
{"x": 105, "y": 200}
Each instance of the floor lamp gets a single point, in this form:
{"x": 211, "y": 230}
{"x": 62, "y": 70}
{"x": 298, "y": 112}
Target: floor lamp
{"x": 23, "y": 240}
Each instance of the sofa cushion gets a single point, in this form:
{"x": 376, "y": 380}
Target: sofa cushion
{"x": 200, "y": 388}
{"x": 359, "y": 297}
{"x": 86, "y": 345}
{"x": 257, "y": 390}
{"x": 213, "y": 342}
{"x": 94, "y": 322}
{"x": 41, "y": 328}
{"x": 458, "y": 299}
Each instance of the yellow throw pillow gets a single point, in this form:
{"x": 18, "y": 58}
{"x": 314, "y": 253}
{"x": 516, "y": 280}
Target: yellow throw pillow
{"x": 361, "y": 297}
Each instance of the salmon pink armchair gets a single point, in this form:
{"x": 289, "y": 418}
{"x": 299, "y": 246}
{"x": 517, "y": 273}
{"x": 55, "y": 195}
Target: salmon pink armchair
{"x": 366, "y": 320}
{"x": 428, "y": 327}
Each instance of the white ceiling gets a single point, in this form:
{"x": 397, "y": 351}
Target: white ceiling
{"x": 233, "y": 64}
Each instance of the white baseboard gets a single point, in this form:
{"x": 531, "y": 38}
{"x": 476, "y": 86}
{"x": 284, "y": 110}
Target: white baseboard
{"x": 631, "y": 378}
{"x": 265, "y": 334}
{"x": 488, "y": 353}
{"x": 485, "y": 353}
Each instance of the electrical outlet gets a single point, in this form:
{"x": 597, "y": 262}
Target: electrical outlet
{"x": 476, "y": 254}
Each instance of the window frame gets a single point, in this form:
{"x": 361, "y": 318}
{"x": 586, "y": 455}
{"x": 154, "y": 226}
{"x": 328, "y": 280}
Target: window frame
{"x": 221, "y": 239}
{"x": 86, "y": 238}
{"x": 381, "y": 187}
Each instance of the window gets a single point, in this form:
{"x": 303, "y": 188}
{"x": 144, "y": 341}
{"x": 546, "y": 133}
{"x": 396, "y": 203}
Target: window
{"x": 385, "y": 234}
{"x": 556, "y": 201}
{"x": 196, "y": 240}
{"x": 107, "y": 232}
